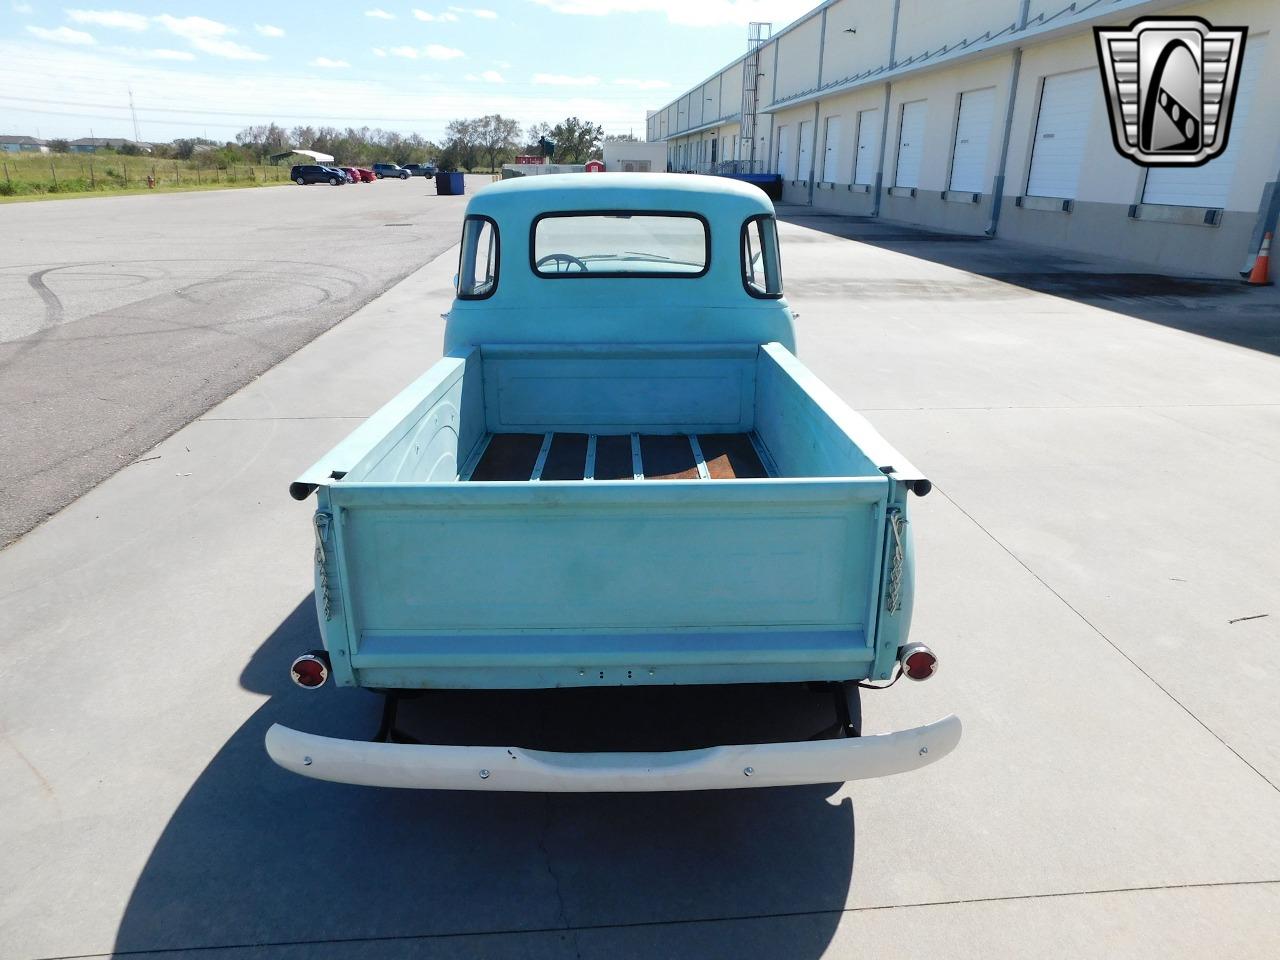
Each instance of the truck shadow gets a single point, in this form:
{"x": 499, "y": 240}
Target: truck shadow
{"x": 256, "y": 856}
{"x": 1222, "y": 309}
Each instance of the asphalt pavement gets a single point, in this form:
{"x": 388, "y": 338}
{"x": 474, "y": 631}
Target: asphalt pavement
{"x": 124, "y": 318}
{"x": 1097, "y": 572}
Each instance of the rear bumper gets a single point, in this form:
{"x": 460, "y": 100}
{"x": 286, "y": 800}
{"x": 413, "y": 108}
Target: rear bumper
{"x": 423, "y": 766}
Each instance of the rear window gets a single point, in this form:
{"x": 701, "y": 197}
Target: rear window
{"x": 620, "y": 244}
{"x": 478, "y": 260}
{"x": 761, "y": 266}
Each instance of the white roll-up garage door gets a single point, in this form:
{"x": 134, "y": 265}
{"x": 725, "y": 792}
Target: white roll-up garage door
{"x": 867, "y": 161}
{"x": 973, "y": 140}
{"x": 831, "y": 166}
{"x": 910, "y": 144}
{"x": 1066, "y": 104}
{"x": 805, "y": 166}
{"x": 784, "y": 153}
{"x": 1209, "y": 185}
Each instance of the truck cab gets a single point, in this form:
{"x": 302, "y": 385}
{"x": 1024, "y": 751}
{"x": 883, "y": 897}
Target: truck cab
{"x": 618, "y": 475}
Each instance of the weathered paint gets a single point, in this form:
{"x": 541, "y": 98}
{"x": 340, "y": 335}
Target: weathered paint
{"x": 437, "y": 581}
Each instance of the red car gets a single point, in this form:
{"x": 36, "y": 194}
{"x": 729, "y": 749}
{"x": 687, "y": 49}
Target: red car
{"x": 353, "y": 175}
{"x": 366, "y": 176}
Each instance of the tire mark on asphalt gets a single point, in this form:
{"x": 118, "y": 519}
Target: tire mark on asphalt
{"x": 53, "y": 312}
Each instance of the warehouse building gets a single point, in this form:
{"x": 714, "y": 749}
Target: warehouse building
{"x": 986, "y": 117}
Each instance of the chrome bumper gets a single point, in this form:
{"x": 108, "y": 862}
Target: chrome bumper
{"x": 429, "y": 767}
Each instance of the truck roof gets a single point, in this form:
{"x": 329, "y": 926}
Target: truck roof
{"x": 621, "y": 191}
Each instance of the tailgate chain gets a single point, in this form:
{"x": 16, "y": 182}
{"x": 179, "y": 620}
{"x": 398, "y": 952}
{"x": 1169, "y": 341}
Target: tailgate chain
{"x": 893, "y": 597}
{"x": 322, "y": 527}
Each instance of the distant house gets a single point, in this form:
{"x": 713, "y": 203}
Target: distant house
{"x": 22, "y": 144}
{"x": 94, "y": 144}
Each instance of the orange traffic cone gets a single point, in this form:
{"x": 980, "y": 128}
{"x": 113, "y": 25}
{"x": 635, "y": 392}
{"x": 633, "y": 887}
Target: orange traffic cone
{"x": 1258, "y": 275}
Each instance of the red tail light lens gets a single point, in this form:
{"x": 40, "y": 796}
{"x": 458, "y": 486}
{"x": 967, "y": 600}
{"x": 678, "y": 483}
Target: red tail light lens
{"x": 309, "y": 670}
{"x": 918, "y": 661}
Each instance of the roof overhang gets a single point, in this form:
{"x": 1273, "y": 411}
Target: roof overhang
{"x": 316, "y": 155}
{"x": 711, "y": 125}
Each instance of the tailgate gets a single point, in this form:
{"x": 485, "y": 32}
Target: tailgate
{"x": 554, "y": 584}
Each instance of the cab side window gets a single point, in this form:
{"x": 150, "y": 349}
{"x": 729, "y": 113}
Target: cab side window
{"x": 761, "y": 267}
{"x": 478, "y": 262}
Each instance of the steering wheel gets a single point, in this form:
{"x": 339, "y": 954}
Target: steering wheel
{"x": 568, "y": 259}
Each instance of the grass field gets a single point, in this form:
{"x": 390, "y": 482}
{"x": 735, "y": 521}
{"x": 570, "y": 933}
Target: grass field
{"x": 49, "y": 176}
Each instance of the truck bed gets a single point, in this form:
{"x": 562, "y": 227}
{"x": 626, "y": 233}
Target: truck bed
{"x": 498, "y": 525}
{"x": 636, "y": 456}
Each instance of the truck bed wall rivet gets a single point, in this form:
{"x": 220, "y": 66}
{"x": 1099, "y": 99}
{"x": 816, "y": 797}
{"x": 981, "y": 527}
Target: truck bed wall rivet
{"x": 306, "y": 761}
{"x": 748, "y": 771}
{"x": 484, "y": 774}
{"x": 923, "y": 751}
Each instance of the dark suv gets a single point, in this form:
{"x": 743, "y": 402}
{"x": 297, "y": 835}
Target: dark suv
{"x": 381, "y": 170}
{"x": 314, "y": 173}
{"x": 427, "y": 170}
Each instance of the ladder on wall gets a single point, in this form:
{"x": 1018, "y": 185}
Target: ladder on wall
{"x": 757, "y": 34}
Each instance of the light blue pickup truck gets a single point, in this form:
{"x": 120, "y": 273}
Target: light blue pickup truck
{"x": 618, "y": 475}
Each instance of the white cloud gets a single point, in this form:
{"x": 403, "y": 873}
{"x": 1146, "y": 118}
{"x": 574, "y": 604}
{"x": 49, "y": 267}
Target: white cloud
{"x": 133, "y": 53}
{"x": 267, "y": 30}
{"x": 564, "y": 80}
{"x": 435, "y": 17}
{"x": 437, "y": 52}
{"x": 409, "y": 53}
{"x": 502, "y": 64}
{"x": 62, "y": 35}
{"x": 702, "y": 13}
{"x": 110, "y": 18}
{"x": 476, "y": 12}
{"x": 379, "y": 52}
{"x": 379, "y": 14}
{"x": 488, "y": 76}
{"x": 208, "y": 36}
{"x": 21, "y": 8}
{"x": 330, "y": 64}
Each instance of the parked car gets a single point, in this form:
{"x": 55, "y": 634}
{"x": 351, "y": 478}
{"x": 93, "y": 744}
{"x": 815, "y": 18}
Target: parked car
{"x": 353, "y": 175}
{"x": 305, "y": 173}
{"x": 427, "y": 170}
{"x": 381, "y": 170}
{"x": 620, "y": 475}
{"x": 366, "y": 175}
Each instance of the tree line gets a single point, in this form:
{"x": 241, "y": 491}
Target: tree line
{"x": 484, "y": 142}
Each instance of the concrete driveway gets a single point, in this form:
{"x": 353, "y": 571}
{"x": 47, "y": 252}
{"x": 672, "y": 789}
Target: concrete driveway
{"x": 1103, "y": 520}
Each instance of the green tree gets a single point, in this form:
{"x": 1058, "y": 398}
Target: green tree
{"x": 577, "y": 141}
{"x": 462, "y": 146}
{"x": 59, "y": 146}
{"x": 496, "y": 136}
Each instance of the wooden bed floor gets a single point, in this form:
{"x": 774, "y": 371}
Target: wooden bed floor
{"x": 636, "y": 456}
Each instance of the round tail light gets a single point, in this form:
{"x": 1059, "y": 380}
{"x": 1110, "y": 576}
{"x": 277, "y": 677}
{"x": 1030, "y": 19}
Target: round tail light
{"x": 918, "y": 661}
{"x": 310, "y": 670}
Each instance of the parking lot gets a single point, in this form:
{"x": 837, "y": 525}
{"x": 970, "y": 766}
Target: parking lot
{"x": 1097, "y": 570}
{"x": 123, "y": 318}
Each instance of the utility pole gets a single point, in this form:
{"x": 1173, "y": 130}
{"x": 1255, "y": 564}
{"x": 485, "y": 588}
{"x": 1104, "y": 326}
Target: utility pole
{"x": 137, "y": 134}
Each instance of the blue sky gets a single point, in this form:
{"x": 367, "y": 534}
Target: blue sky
{"x": 211, "y": 69}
